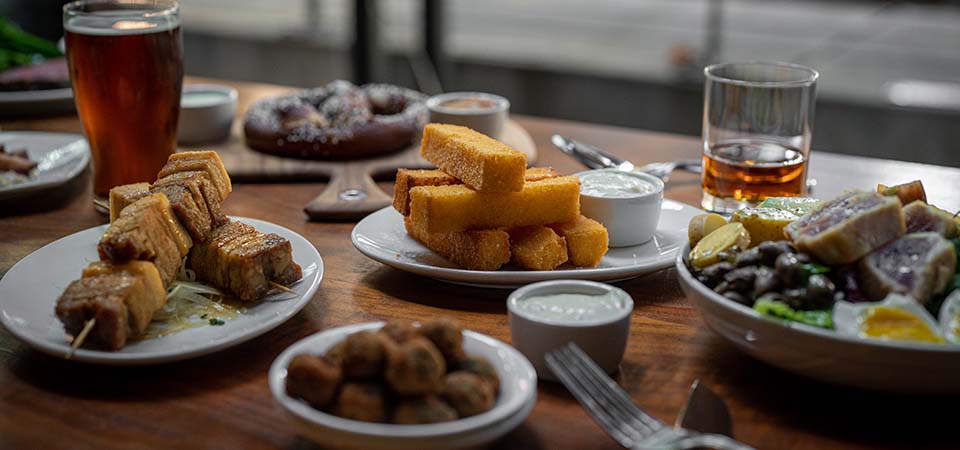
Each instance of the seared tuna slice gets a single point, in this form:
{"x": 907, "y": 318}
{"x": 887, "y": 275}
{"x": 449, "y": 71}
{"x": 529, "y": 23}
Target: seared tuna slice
{"x": 919, "y": 265}
{"x": 922, "y": 217}
{"x": 848, "y": 227}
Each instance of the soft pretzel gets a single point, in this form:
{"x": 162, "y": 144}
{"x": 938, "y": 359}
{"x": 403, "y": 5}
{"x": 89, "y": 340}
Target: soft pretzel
{"x": 336, "y": 121}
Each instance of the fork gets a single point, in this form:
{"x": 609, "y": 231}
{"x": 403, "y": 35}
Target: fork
{"x": 616, "y": 413}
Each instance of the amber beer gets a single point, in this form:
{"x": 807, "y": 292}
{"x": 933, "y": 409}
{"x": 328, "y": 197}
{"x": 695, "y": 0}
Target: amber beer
{"x": 126, "y": 67}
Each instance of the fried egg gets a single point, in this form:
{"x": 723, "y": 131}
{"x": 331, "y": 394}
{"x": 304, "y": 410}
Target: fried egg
{"x": 950, "y": 317}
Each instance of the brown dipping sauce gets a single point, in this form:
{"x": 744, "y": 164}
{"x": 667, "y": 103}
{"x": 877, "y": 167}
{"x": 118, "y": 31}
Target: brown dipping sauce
{"x": 469, "y": 103}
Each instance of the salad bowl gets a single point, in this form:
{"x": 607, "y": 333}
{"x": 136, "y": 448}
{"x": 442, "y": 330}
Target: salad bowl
{"x": 823, "y": 354}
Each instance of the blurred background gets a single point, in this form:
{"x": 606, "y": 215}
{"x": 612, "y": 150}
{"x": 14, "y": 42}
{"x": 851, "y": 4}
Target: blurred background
{"x": 890, "y": 71}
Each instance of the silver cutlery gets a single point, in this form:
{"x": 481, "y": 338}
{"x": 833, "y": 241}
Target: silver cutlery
{"x": 617, "y": 414}
{"x": 596, "y": 158}
{"x": 704, "y": 412}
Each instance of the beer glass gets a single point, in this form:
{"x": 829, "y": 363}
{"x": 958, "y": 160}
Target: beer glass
{"x": 126, "y": 66}
{"x": 757, "y": 127}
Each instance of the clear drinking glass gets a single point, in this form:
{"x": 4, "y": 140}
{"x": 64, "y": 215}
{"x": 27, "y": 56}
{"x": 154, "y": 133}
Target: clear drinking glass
{"x": 757, "y": 127}
{"x": 126, "y": 65}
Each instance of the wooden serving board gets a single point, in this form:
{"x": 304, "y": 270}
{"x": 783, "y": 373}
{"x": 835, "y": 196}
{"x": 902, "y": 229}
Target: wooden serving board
{"x": 351, "y": 191}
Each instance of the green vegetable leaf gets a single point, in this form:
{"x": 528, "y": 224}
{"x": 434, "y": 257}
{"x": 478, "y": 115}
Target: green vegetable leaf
{"x": 216, "y": 321}
{"x": 780, "y": 310}
{"x": 815, "y": 269}
{"x": 13, "y": 38}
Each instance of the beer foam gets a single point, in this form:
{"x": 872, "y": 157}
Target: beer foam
{"x": 119, "y": 23}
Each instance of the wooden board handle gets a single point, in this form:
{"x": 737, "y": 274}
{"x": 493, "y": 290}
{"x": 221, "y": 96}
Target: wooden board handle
{"x": 350, "y": 194}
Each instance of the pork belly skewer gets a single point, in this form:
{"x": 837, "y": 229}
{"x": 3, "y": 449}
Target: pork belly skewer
{"x": 244, "y": 262}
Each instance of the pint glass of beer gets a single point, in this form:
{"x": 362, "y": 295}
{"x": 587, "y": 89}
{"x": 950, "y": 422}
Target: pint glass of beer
{"x": 126, "y": 66}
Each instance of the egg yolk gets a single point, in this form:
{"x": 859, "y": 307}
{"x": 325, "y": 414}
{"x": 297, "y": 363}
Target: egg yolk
{"x": 884, "y": 322}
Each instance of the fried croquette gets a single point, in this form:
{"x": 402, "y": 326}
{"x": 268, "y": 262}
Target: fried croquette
{"x": 314, "y": 379}
{"x": 365, "y": 355}
{"x": 429, "y": 409}
{"x": 482, "y": 367}
{"x": 400, "y": 330}
{"x": 362, "y": 401}
{"x": 467, "y": 393}
{"x": 415, "y": 367}
{"x": 447, "y": 335}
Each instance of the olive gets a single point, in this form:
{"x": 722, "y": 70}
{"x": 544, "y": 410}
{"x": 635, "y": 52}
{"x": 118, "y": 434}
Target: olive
{"x": 790, "y": 270}
{"x": 738, "y": 297}
{"x": 741, "y": 280}
{"x": 722, "y": 287}
{"x": 770, "y": 250}
{"x": 766, "y": 281}
{"x": 749, "y": 258}
{"x": 796, "y": 298}
{"x": 820, "y": 291}
{"x": 804, "y": 258}
{"x": 713, "y": 274}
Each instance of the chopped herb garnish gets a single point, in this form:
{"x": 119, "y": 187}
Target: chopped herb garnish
{"x": 215, "y": 321}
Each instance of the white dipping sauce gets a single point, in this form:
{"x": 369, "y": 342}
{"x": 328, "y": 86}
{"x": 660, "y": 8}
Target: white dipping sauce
{"x": 613, "y": 184}
{"x": 573, "y": 308}
{"x": 202, "y": 99}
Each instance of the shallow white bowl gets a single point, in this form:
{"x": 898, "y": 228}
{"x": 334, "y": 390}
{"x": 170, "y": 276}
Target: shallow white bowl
{"x": 604, "y": 340}
{"x": 823, "y": 354}
{"x": 630, "y": 220}
{"x": 518, "y": 393}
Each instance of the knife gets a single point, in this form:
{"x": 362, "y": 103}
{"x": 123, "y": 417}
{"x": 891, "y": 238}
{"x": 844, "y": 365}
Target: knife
{"x": 705, "y": 412}
{"x": 596, "y": 158}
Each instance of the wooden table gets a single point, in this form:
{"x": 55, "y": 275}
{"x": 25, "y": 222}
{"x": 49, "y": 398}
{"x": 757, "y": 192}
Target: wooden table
{"x": 222, "y": 400}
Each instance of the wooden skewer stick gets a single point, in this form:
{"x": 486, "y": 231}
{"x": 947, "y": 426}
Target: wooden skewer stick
{"x": 81, "y": 337}
{"x": 281, "y": 287}
{"x": 101, "y": 204}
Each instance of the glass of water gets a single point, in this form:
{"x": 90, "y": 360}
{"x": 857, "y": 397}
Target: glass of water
{"x": 757, "y": 127}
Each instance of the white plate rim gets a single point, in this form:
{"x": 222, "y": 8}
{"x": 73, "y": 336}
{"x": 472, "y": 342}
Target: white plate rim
{"x": 125, "y": 359}
{"x": 687, "y": 278}
{"x": 36, "y": 95}
{"x": 513, "y": 278}
{"x": 38, "y": 184}
{"x": 277, "y": 375}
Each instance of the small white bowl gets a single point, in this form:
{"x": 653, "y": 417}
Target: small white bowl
{"x": 488, "y": 120}
{"x": 604, "y": 340}
{"x": 630, "y": 220}
{"x": 517, "y": 396}
{"x": 206, "y": 113}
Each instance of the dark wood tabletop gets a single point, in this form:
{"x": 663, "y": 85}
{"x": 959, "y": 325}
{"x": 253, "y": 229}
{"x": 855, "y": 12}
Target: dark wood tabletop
{"x": 222, "y": 400}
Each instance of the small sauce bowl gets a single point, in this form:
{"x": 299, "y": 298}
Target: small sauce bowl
{"x": 631, "y": 218}
{"x": 206, "y": 113}
{"x": 486, "y": 113}
{"x": 537, "y": 329}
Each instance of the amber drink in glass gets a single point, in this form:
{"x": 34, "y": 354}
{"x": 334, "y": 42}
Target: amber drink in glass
{"x": 757, "y": 128}
{"x": 126, "y": 67}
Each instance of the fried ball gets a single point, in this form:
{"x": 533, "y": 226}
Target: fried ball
{"x": 400, "y": 330}
{"x": 447, "y": 335}
{"x": 416, "y": 367}
{"x": 481, "y": 367}
{"x": 467, "y": 393}
{"x": 314, "y": 379}
{"x": 429, "y": 409}
{"x": 362, "y": 401}
{"x": 365, "y": 355}
{"x": 335, "y": 353}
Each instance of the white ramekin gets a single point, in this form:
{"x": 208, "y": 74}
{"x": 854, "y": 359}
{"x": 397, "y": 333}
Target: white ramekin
{"x": 604, "y": 340}
{"x": 210, "y": 122}
{"x": 489, "y": 121}
{"x": 630, "y": 220}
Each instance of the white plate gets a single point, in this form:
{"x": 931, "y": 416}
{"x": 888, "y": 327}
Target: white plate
{"x": 29, "y": 290}
{"x": 34, "y": 102}
{"x": 823, "y": 354}
{"x": 382, "y": 237}
{"x": 61, "y": 157}
{"x": 518, "y": 393}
